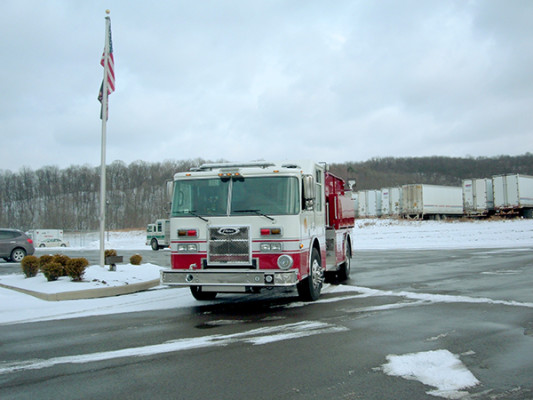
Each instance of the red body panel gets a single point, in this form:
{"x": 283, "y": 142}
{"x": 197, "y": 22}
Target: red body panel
{"x": 341, "y": 211}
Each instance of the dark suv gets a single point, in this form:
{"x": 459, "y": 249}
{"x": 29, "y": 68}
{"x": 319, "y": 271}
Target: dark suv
{"x": 14, "y": 245}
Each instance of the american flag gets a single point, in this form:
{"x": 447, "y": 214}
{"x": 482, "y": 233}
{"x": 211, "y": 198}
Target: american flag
{"x": 110, "y": 70}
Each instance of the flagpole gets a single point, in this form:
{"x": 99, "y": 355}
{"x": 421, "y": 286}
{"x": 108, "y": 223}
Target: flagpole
{"x": 103, "y": 153}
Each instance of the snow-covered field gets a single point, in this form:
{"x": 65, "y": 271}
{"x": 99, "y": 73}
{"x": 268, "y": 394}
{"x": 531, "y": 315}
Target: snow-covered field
{"x": 378, "y": 234}
{"x": 455, "y": 234}
{"x": 440, "y": 369}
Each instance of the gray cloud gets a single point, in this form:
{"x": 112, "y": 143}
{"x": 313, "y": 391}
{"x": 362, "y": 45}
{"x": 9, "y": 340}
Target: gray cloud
{"x": 244, "y": 80}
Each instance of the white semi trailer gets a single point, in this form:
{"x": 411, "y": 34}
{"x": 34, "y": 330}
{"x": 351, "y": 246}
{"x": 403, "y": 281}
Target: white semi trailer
{"x": 513, "y": 194}
{"x": 390, "y": 201}
{"x": 431, "y": 201}
{"x": 478, "y": 197}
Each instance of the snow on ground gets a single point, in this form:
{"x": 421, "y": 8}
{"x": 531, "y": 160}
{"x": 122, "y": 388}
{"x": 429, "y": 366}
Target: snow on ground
{"x": 118, "y": 240}
{"x": 439, "y": 368}
{"x": 95, "y": 277}
{"x": 455, "y": 234}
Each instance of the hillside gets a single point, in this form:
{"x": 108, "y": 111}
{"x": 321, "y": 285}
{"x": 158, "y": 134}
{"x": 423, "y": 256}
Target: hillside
{"x": 389, "y": 172}
{"x": 136, "y": 193}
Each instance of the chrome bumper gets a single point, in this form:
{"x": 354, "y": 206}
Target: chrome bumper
{"x": 228, "y": 278}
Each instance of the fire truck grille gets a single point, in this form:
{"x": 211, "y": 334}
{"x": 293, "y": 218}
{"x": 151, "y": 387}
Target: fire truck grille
{"x": 229, "y": 245}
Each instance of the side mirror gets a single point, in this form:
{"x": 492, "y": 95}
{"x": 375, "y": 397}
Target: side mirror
{"x": 309, "y": 191}
{"x": 170, "y": 190}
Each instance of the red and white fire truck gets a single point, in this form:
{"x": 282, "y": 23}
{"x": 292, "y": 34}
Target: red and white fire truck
{"x": 241, "y": 227}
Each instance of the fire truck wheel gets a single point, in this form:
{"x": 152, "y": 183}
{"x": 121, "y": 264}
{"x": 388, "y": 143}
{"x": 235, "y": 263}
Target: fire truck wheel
{"x": 154, "y": 244}
{"x": 344, "y": 271}
{"x": 309, "y": 288}
{"x": 197, "y": 293}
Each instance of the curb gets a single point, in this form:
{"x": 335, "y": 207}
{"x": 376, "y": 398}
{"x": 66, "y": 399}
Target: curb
{"x": 88, "y": 293}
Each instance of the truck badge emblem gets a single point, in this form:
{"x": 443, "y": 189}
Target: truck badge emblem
{"x": 228, "y": 231}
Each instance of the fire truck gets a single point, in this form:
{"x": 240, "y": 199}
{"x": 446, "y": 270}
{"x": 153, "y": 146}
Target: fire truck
{"x": 243, "y": 227}
{"x": 158, "y": 234}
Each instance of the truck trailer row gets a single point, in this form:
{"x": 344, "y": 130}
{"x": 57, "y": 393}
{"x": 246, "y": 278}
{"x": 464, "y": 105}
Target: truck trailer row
{"x": 510, "y": 194}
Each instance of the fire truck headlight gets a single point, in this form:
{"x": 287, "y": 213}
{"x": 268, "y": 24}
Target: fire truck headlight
{"x": 285, "y": 261}
{"x": 266, "y": 247}
{"x": 187, "y": 248}
{"x": 275, "y": 246}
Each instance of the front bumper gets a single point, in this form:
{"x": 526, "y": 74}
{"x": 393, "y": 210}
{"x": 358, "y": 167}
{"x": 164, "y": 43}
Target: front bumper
{"x": 221, "y": 277}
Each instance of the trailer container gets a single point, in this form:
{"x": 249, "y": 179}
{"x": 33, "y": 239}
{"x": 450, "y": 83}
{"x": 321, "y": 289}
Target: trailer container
{"x": 513, "y": 194}
{"x": 355, "y": 198}
{"x": 395, "y": 199}
{"x": 373, "y": 203}
{"x": 390, "y": 201}
{"x": 385, "y": 202}
{"x": 361, "y": 204}
{"x": 478, "y": 197}
{"x": 431, "y": 201}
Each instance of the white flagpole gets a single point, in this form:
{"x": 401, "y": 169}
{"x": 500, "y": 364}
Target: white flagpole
{"x": 103, "y": 162}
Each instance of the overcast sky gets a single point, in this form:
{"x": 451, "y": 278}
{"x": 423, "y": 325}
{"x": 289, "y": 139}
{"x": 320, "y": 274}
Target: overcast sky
{"x": 266, "y": 79}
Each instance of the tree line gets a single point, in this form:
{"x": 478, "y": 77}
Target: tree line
{"x": 378, "y": 173}
{"x": 69, "y": 198}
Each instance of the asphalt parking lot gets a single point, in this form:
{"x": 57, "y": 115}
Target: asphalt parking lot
{"x": 475, "y": 305}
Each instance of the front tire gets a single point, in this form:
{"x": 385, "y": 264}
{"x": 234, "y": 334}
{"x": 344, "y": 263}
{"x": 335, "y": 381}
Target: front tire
{"x": 17, "y": 255}
{"x": 309, "y": 289}
{"x": 198, "y": 294}
{"x": 154, "y": 244}
{"x": 344, "y": 271}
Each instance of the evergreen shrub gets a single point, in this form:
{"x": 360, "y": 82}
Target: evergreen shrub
{"x": 45, "y": 259}
{"x": 52, "y": 271}
{"x": 75, "y": 268}
{"x": 110, "y": 253}
{"x": 63, "y": 260}
{"x": 30, "y": 266}
{"x": 136, "y": 259}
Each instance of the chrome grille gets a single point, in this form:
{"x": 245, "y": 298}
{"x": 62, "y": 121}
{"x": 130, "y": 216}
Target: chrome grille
{"x": 229, "y": 245}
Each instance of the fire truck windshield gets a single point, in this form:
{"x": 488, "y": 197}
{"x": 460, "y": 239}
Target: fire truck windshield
{"x": 266, "y": 195}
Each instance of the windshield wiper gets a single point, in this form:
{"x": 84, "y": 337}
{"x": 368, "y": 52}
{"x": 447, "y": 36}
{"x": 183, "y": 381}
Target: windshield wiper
{"x": 198, "y": 216}
{"x": 256, "y": 212}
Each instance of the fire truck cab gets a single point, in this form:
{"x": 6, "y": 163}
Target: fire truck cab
{"x": 241, "y": 227}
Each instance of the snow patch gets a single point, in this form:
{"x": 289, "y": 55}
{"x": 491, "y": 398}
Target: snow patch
{"x": 439, "y": 368}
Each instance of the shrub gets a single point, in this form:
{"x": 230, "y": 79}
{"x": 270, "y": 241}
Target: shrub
{"x": 63, "y": 260}
{"x": 75, "y": 268}
{"x": 136, "y": 259}
{"x": 45, "y": 259}
{"x": 30, "y": 266}
{"x": 52, "y": 271}
{"x": 110, "y": 253}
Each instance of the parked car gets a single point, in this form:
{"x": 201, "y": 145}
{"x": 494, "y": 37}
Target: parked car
{"x": 53, "y": 243}
{"x": 15, "y": 245}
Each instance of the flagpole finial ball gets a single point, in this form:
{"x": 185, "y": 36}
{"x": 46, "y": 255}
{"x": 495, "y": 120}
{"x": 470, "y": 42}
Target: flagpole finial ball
{"x": 107, "y": 11}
